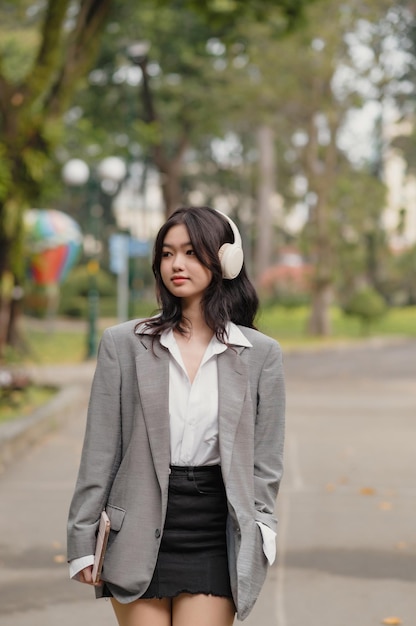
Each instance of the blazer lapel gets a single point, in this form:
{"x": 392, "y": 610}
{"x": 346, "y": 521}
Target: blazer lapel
{"x": 152, "y": 367}
{"x": 232, "y": 387}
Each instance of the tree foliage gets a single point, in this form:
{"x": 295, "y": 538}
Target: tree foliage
{"x": 57, "y": 48}
{"x": 46, "y": 50}
{"x": 305, "y": 86}
{"x": 183, "y": 94}
{"x": 212, "y": 74}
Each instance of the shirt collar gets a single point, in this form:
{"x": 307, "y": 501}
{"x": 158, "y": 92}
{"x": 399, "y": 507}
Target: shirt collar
{"x": 234, "y": 335}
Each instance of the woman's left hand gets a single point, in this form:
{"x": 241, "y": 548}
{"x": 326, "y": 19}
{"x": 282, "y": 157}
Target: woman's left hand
{"x": 85, "y": 576}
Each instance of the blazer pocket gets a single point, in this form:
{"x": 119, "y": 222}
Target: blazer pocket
{"x": 116, "y": 516}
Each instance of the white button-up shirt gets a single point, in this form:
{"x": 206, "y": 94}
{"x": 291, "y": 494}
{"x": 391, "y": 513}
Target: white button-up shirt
{"x": 193, "y": 407}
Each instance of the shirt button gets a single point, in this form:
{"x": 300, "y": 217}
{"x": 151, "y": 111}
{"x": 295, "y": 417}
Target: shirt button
{"x": 157, "y": 533}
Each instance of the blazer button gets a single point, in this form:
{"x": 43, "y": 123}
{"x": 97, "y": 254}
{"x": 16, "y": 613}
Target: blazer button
{"x": 157, "y": 533}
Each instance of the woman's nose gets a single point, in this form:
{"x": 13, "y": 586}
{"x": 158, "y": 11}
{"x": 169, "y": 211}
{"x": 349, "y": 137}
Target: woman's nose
{"x": 177, "y": 262}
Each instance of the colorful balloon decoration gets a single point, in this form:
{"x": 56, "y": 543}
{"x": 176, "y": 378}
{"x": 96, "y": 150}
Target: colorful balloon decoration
{"x": 53, "y": 242}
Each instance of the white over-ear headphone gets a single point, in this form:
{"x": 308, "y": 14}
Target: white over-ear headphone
{"x": 231, "y": 254}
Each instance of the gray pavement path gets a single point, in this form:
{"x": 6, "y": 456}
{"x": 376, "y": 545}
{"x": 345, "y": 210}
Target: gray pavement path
{"x": 347, "y": 543}
{"x": 348, "y": 506}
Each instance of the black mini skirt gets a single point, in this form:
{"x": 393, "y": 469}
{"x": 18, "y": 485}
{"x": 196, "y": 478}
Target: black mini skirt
{"x": 193, "y": 552}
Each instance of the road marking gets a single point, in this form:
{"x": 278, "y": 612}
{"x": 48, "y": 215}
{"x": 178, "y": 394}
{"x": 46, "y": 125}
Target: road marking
{"x": 298, "y": 484}
{"x": 282, "y": 541}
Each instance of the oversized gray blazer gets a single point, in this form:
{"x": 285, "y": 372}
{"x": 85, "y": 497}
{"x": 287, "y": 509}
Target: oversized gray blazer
{"x": 125, "y": 459}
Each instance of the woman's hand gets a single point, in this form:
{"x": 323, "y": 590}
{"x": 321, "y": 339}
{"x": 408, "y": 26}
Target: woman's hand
{"x": 85, "y": 576}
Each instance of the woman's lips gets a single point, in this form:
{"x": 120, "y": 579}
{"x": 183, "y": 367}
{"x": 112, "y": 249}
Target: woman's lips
{"x": 179, "y": 280}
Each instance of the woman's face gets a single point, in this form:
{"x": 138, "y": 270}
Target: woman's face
{"x": 181, "y": 271}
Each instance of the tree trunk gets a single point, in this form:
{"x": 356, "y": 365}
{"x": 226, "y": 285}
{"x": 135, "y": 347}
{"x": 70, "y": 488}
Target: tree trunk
{"x": 4, "y": 317}
{"x": 321, "y": 166}
{"x": 14, "y": 336}
{"x": 169, "y": 167}
{"x": 6, "y": 286}
{"x": 171, "y": 189}
{"x": 266, "y": 189}
{"x": 322, "y": 281}
{"x": 319, "y": 322}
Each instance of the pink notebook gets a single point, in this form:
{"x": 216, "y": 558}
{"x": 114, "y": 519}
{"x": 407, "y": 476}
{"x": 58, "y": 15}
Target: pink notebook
{"x": 101, "y": 545}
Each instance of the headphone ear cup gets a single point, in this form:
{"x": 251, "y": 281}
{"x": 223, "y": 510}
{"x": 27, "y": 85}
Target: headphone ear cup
{"x": 231, "y": 258}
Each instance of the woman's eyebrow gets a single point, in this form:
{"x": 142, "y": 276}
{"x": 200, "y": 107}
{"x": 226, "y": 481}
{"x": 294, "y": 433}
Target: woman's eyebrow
{"x": 171, "y": 245}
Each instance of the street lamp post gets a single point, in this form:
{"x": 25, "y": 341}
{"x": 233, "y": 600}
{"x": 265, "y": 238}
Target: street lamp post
{"x": 109, "y": 174}
{"x": 138, "y": 52}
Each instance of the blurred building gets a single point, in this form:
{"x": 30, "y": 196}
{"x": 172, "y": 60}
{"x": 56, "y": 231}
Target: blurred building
{"x": 139, "y": 206}
{"x": 289, "y": 276}
{"x": 399, "y": 217}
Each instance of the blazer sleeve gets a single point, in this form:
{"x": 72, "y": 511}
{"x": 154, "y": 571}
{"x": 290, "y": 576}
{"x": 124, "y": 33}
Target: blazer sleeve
{"x": 269, "y": 435}
{"x": 101, "y": 452}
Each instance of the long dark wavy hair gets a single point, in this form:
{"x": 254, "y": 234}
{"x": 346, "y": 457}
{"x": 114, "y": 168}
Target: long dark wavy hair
{"x": 224, "y": 300}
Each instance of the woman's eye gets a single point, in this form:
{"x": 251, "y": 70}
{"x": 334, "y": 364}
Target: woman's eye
{"x": 190, "y": 252}
{"x": 165, "y": 254}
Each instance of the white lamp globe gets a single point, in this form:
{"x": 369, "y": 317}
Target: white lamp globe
{"x": 75, "y": 172}
{"x": 112, "y": 168}
{"x": 138, "y": 51}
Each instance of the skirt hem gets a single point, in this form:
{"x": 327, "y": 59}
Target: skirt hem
{"x": 188, "y": 591}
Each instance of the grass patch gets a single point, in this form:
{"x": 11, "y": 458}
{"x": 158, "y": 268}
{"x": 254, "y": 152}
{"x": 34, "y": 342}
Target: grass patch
{"x": 65, "y": 341}
{"x": 59, "y": 346}
{"x": 399, "y": 322}
{"x": 289, "y": 325}
{"x": 19, "y": 403}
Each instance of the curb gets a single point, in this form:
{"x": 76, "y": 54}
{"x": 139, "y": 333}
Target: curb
{"x": 17, "y": 436}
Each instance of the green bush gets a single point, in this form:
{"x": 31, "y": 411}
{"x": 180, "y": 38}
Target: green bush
{"x": 78, "y": 283}
{"x": 287, "y": 299}
{"x": 73, "y": 300}
{"x": 367, "y": 305}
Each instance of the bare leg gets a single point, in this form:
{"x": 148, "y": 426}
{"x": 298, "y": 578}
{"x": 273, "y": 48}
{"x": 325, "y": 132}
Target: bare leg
{"x": 149, "y": 612}
{"x": 202, "y": 610}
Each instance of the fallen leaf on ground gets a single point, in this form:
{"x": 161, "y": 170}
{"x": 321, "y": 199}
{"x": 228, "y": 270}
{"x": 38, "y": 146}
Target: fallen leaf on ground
{"x": 367, "y": 491}
{"x": 392, "y": 621}
{"x": 59, "y": 558}
{"x": 330, "y": 487}
{"x": 385, "y": 506}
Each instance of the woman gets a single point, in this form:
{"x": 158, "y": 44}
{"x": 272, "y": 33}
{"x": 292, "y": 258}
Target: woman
{"x": 184, "y": 441}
